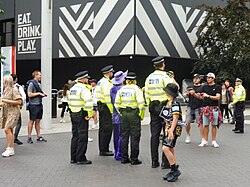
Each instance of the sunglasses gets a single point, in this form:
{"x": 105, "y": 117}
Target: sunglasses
{"x": 209, "y": 77}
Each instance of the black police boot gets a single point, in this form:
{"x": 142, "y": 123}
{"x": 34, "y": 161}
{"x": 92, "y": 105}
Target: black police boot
{"x": 155, "y": 164}
{"x": 135, "y": 162}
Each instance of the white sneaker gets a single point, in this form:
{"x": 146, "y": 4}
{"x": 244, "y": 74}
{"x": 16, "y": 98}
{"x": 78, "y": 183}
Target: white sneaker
{"x": 90, "y": 139}
{"x": 9, "y": 152}
{"x": 203, "y": 143}
{"x": 214, "y": 144}
{"x": 187, "y": 139}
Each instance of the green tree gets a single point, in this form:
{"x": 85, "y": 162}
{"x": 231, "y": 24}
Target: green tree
{"x": 224, "y": 45}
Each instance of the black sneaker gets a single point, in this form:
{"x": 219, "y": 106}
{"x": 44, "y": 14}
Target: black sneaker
{"x": 173, "y": 175}
{"x": 41, "y": 139}
{"x": 18, "y": 142}
{"x": 29, "y": 141}
{"x": 170, "y": 173}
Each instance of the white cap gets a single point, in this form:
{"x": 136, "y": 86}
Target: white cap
{"x": 210, "y": 74}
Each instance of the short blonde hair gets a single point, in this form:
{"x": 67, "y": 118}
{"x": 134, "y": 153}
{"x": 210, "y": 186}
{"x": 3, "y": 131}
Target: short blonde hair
{"x": 8, "y": 81}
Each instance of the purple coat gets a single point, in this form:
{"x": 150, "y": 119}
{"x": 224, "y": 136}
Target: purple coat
{"x": 116, "y": 118}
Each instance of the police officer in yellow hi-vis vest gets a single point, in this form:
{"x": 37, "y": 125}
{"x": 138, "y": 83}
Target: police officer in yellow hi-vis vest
{"x": 239, "y": 97}
{"x": 81, "y": 110}
{"x": 129, "y": 102}
{"x": 105, "y": 108}
{"x": 156, "y": 99}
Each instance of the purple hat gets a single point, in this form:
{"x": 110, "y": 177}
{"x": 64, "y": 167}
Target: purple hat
{"x": 119, "y": 77}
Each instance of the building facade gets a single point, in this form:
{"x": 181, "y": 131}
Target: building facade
{"x": 90, "y": 34}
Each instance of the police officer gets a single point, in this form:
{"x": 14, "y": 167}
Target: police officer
{"x": 239, "y": 97}
{"x": 155, "y": 99}
{"x": 105, "y": 109}
{"x": 130, "y": 104}
{"x": 81, "y": 110}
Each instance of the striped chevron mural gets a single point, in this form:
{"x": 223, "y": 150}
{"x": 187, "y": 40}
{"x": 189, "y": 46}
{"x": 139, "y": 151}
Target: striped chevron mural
{"x": 124, "y": 27}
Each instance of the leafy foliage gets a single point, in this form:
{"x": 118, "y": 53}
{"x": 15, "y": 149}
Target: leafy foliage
{"x": 224, "y": 46}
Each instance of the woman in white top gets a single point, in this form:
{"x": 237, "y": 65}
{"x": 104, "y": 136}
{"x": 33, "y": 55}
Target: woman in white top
{"x": 64, "y": 101}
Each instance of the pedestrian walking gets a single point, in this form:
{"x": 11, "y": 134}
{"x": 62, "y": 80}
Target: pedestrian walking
{"x": 10, "y": 103}
{"x": 173, "y": 116}
{"x": 81, "y": 110}
{"x": 224, "y": 101}
{"x": 155, "y": 98}
{"x": 194, "y": 106}
{"x": 35, "y": 95}
{"x": 129, "y": 102}
{"x": 239, "y": 97}
{"x": 117, "y": 81}
{"x": 230, "y": 89}
{"x": 210, "y": 113}
{"x": 19, "y": 123}
{"x": 64, "y": 100}
{"x": 105, "y": 109}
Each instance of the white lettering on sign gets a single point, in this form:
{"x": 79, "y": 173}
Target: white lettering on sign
{"x": 23, "y": 18}
{"x": 27, "y": 34}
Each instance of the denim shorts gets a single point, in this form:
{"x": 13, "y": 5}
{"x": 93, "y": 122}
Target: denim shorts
{"x": 193, "y": 114}
{"x": 205, "y": 119}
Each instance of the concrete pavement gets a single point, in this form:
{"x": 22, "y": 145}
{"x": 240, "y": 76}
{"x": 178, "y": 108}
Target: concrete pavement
{"x": 47, "y": 164}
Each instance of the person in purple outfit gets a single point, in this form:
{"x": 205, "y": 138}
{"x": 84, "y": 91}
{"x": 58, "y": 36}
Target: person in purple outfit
{"x": 117, "y": 81}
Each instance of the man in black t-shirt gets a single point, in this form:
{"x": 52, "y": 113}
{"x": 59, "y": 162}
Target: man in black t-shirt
{"x": 194, "y": 105}
{"x": 210, "y": 95}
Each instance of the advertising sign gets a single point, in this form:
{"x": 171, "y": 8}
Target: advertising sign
{"x": 9, "y": 65}
{"x": 28, "y": 29}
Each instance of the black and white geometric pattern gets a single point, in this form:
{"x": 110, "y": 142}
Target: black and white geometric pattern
{"x": 124, "y": 27}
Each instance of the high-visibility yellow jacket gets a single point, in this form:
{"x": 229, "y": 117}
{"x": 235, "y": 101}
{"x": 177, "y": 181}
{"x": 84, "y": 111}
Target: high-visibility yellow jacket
{"x": 239, "y": 94}
{"x": 154, "y": 85}
{"x": 130, "y": 96}
{"x": 102, "y": 91}
{"x": 80, "y": 97}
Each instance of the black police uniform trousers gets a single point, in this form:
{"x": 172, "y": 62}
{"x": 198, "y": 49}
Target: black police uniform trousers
{"x": 239, "y": 115}
{"x": 156, "y": 125}
{"x": 131, "y": 127}
{"x": 105, "y": 127}
{"x": 79, "y": 140}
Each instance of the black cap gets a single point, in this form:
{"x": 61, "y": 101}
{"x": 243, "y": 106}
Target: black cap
{"x": 82, "y": 74}
{"x": 171, "y": 89}
{"x": 158, "y": 60}
{"x": 131, "y": 76}
{"x": 238, "y": 80}
{"x": 107, "y": 69}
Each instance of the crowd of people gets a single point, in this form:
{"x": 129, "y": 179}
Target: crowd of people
{"x": 121, "y": 107}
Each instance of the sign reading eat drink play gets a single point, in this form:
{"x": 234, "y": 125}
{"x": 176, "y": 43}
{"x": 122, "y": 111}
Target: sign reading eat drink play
{"x": 27, "y": 34}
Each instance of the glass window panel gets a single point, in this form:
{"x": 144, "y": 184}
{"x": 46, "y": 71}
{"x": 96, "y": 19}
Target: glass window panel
{"x": 8, "y": 39}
